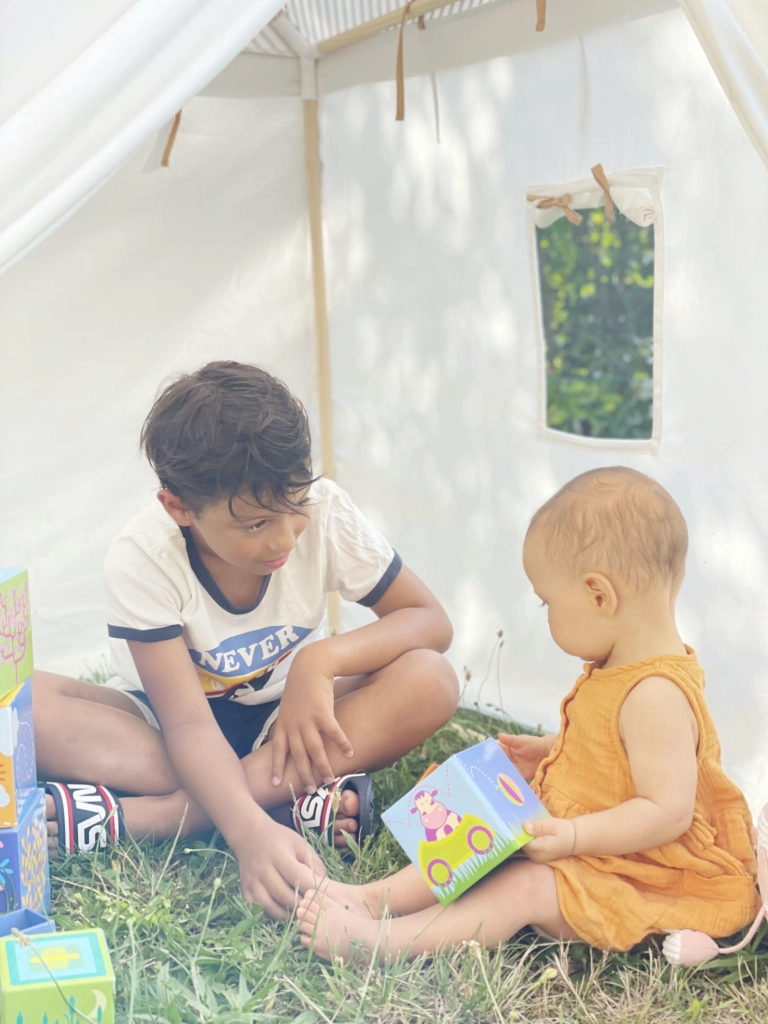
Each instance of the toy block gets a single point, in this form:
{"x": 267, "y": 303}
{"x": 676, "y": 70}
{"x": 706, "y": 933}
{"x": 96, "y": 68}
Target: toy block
{"x": 24, "y": 881}
{"x": 28, "y": 922}
{"x": 60, "y": 978}
{"x": 464, "y": 818}
{"x": 15, "y": 629}
{"x": 18, "y": 770}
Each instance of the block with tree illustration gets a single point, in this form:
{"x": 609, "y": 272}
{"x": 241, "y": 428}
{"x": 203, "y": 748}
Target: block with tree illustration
{"x": 15, "y": 629}
{"x": 58, "y": 978}
{"x": 464, "y": 818}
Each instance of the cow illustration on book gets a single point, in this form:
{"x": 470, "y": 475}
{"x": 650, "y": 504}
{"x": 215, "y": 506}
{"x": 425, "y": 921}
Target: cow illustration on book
{"x": 437, "y": 819}
{"x": 463, "y": 817}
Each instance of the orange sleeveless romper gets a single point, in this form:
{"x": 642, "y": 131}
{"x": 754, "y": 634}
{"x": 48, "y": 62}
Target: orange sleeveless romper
{"x": 704, "y": 880}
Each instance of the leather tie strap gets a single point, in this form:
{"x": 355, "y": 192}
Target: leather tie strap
{"x": 600, "y": 177}
{"x": 171, "y": 139}
{"x": 399, "y": 73}
{"x": 547, "y": 202}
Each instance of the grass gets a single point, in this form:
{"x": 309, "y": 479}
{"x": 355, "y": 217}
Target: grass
{"x": 187, "y": 949}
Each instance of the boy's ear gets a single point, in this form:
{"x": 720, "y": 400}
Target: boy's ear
{"x": 601, "y": 593}
{"x": 175, "y": 507}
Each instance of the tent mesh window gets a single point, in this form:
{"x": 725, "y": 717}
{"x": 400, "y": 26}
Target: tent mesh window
{"x": 596, "y": 286}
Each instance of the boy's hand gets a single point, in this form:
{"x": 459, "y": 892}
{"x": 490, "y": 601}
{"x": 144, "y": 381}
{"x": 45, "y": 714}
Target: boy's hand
{"x": 553, "y": 838}
{"x": 277, "y": 868}
{"x": 306, "y": 723}
{"x": 525, "y": 752}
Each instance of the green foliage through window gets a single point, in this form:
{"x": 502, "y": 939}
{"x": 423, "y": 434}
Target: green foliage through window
{"x": 596, "y": 282}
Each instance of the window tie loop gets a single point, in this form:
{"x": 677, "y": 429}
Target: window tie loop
{"x": 547, "y": 202}
{"x": 600, "y": 177}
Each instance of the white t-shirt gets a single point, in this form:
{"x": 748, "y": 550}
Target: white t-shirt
{"x": 158, "y": 588}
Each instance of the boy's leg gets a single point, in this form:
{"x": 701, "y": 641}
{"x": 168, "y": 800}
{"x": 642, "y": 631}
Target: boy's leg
{"x": 385, "y": 715}
{"x": 86, "y": 732}
{"x": 515, "y": 894}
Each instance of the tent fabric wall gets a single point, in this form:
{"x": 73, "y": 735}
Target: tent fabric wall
{"x": 116, "y": 74}
{"x": 734, "y": 35}
{"x": 432, "y": 321}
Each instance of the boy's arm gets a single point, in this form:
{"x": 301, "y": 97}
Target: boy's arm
{"x": 660, "y": 735}
{"x": 274, "y": 861}
{"x": 409, "y": 618}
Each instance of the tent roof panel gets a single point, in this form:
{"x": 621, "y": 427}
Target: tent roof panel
{"x": 330, "y": 24}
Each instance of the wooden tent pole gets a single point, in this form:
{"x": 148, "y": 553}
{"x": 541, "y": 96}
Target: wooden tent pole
{"x": 311, "y": 140}
{"x": 322, "y": 349}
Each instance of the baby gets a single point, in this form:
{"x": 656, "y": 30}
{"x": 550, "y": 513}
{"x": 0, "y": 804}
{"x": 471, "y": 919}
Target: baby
{"x": 647, "y": 833}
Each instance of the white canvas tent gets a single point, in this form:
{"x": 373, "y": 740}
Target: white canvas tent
{"x": 410, "y": 326}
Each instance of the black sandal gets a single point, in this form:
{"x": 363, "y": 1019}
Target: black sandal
{"x": 90, "y": 817}
{"x": 316, "y": 812}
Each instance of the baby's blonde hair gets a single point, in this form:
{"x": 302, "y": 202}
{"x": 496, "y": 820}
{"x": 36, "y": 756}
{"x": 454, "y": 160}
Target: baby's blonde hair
{"x": 616, "y": 521}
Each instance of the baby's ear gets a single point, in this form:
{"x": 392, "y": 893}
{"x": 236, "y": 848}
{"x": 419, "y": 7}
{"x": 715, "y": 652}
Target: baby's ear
{"x": 601, "y": 592}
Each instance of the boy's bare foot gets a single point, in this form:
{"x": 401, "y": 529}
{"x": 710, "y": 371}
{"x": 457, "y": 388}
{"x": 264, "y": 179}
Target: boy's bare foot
{"x": 331, "y": 930}
{"x": 53, "y": 826}
{"x": 346, "y": 818}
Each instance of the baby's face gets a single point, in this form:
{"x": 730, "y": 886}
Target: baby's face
{"x": 575, "y": 624}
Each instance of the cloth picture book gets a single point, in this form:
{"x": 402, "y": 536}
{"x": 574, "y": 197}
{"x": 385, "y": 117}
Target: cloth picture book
{"x": 465, "y": 817}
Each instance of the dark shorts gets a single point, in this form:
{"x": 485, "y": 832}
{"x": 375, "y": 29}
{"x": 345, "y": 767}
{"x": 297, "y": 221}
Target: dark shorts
{"x": 244, "y": 725}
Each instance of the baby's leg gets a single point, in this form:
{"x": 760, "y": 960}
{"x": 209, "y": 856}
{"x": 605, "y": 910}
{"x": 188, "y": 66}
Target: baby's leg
{"x": 516, "y": 894}
{"x": 405, "y": 892}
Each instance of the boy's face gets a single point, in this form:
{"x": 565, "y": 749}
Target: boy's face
{"x": 256, "y": 540}
{"x": 575, "y": 622}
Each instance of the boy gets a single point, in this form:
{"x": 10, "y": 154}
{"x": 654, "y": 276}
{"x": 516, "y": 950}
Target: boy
{"x": 647, "y": 833}
{"x": 228, "y": 702}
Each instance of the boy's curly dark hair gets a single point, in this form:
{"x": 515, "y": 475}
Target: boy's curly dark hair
{"x": 229, "y": 429}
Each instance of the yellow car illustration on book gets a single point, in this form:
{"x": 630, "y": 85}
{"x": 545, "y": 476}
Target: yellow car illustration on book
{"x": 439, "y": 858}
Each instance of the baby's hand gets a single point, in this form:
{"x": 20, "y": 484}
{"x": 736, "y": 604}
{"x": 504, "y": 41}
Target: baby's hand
{"x": 525, "y": 752}
{"x": 553, "y": 838}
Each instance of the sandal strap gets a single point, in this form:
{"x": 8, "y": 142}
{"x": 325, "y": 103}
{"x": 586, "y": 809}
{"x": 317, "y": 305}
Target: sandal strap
{"x": 317, "y": 811}
{"x": 89, "y": 817}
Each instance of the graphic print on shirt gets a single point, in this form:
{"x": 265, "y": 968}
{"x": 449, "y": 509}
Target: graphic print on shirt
{"x": 246, "y": 660}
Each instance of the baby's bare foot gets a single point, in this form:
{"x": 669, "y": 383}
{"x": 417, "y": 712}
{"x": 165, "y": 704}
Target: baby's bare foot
{"x": 331, "y": 930}
{"x": 352, "y": 898}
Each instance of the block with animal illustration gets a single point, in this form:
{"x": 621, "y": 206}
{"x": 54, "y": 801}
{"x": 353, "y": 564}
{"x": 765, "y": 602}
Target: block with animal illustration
{"x": 18, "y": 771}
{"x": 464, "y": 818}
{"x": 58, "y": 978}
{"x": 15, "y": 629}
{"x": 24, "y": 877}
